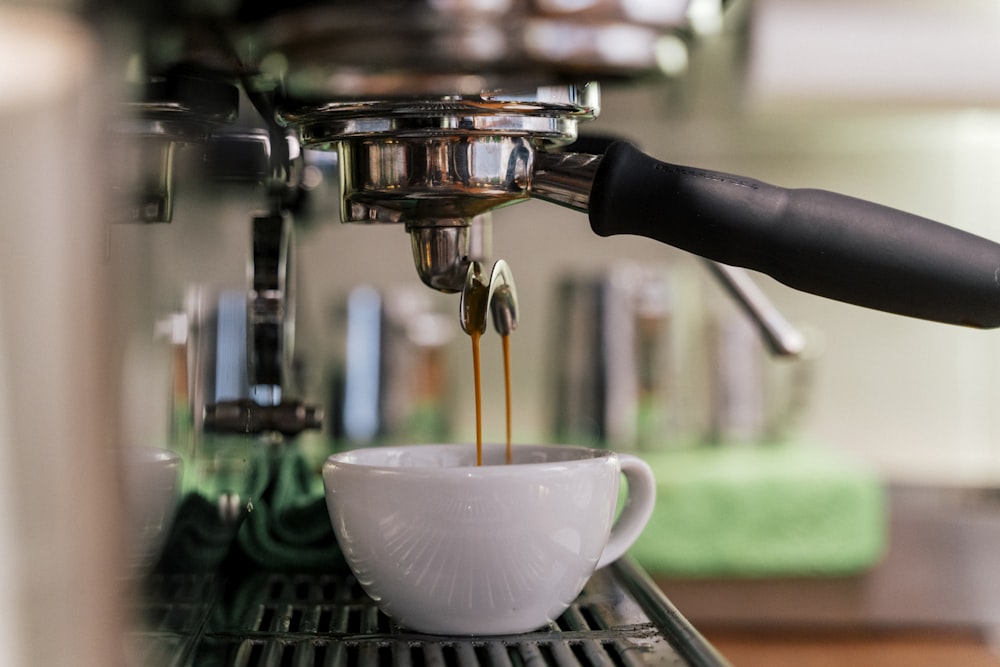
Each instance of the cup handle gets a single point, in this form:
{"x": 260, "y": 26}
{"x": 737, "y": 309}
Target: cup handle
{"x": 637, "y": 510}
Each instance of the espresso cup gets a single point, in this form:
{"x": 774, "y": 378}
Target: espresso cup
{"x": 444, "y": 546}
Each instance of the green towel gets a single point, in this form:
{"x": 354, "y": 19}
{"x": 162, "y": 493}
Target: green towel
{"x": 771, "y": 510}
{"x": 204, "y": 530}
{"x": 199, "y": 537}
{"x": 289, "y": 526}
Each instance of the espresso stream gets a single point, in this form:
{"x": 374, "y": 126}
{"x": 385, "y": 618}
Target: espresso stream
{"x": 506, "y": 385}
{"x": 476, "y": 336}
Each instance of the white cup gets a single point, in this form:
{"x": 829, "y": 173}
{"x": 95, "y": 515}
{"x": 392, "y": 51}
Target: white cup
{"x": 444, "y": 546}
{"x": 151, "y": 479}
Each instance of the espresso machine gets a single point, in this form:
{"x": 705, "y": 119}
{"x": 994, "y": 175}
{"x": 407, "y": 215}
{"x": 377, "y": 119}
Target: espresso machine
{"x": 209, "y": 546}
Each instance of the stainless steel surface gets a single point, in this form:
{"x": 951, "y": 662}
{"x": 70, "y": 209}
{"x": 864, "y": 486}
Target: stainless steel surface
{"x": 578, "y": 413}
{"x": 453, "y": 157}
{"x": 441, "y": 252}
{"x": 565, "y": 178}
{"x": 324, "y": 618}
{"x": 144, "y": 179}
{"x": 288, "y": 418}
{"x": 443, "y": 247}
{"x": 739, "y": 393}
{"x": 436, "y": 164}
{"x": 396, "y": 380}
{"x": 250, "y": 358}
{"x": 270, "y": 302}
{"x": 503, "y": 299}
{"x": 615, "y": 350}
{"x": 779, "y": 335}
{"x": 474, "y": 304}
{"x": 405, "y": 180}
{"x": 168, "y": 112}
{"x": 348, "y": 49}
{"x": 548, "y": 112}
{"x": 484, "y": 296}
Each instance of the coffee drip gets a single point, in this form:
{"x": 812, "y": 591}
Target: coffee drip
{"x": 477, "y": 379}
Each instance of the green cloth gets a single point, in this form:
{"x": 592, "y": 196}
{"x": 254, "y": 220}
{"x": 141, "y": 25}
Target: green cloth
{"x": 771, "y": 510}
{"x": 203, "y": 530}
{"x": 199, "y": 538}
{"x": 289, "y": 527}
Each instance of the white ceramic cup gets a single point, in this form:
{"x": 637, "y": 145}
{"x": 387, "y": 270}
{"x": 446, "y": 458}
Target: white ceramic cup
{"x": 445, "y": 546}
{"x": 151, "y": 479}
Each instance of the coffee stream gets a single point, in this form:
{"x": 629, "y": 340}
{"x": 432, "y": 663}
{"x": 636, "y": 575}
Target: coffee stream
{"x": 477, "y": 379}
{"x": 506, "y": 384}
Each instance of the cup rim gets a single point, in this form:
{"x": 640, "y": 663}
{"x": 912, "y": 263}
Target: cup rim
{"x": 350, "y": 459}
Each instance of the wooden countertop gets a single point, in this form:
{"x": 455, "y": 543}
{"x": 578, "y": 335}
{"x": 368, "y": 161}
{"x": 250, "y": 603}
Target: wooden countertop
{"x": 852, "y": 648}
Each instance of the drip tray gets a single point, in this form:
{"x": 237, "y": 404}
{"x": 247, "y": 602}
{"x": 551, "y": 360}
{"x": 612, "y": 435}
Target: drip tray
{"x": 326, "y": 620}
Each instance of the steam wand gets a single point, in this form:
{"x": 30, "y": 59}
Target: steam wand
{"x": 780, "y": 337}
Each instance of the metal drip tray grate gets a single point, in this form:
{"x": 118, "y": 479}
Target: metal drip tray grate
{"x": 296, "y": 620}
{"x": 354, "y": 632}
{"x": 436, "y": 653}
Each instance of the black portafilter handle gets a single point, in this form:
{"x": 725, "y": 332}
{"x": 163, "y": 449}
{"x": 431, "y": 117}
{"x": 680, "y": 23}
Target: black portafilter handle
{"x": 819, "y": 242}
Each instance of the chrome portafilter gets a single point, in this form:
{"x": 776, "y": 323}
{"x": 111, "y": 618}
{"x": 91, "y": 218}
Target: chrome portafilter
{"x": 435, "y": 165}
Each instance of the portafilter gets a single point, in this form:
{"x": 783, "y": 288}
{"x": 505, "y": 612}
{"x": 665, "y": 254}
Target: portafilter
{"x": 435, "y": 164}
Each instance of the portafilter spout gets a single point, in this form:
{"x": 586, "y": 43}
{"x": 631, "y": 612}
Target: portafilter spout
{"x": 443, "y": 249}
{"x": 483, "y": 296}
